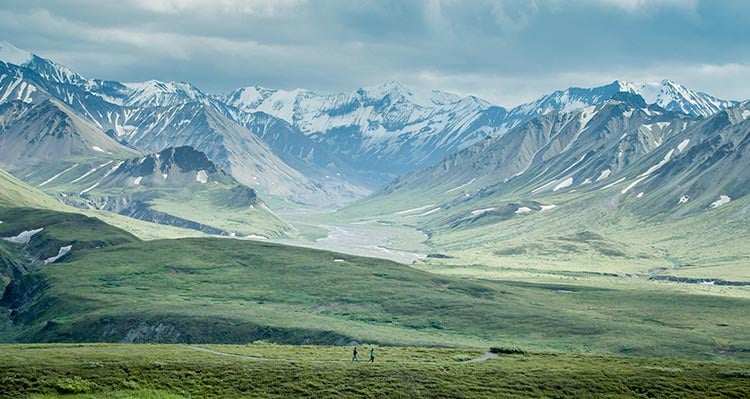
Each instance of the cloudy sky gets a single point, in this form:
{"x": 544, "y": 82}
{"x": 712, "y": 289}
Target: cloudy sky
{"x": 505, "y": 51}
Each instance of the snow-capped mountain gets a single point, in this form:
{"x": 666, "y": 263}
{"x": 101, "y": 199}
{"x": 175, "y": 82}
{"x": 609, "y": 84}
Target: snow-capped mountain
{"x": 45, "y": 68}
{"x": 231, "y": 146}
{"x": 138, "y": 94}
{"x": 50, "y": 132}
{"x": 667, "y": 94}
{"x": 557, "y": 149}
{"x": 327, "y": 146}
{"x": 154, "y": 115}
{"x": 701, "y": 168}
{"x": 153, "y": 93}
{"x": 387, "y": 129}
{"x": 622, "y": 153}
{"x": 390, "y": 129}
{"x": 24, "y": 84}
{"x": 172, "y": 166}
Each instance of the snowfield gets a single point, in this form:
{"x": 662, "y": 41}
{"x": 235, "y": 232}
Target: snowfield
{"x": 565, "y": 183}
{"x": 201, "y": 177}
{"x": 24, "y": 237}
{"x": 681, "y": 146}
{"x": 51, "y": 179}
{"x": 461, "y": 186}
{"x": 413, "y": 210}
{"x": 481, "y": 211}
{"x": 605, "y": 174}
{"x": 62, "y": 252}
{"x": 724, "y": 199}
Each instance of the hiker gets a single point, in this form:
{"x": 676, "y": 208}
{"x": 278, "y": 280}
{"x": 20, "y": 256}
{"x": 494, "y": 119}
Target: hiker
{"x": 372, "y": 355}
{"x": 354, "y": 352}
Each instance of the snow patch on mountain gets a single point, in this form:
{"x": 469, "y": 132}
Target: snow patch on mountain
{"x": 610, "y": 185}
{"x": 633, "y": 184}
{"x": 13, "y": 55}
{"x": 85, "y": 175}
{"x": 60, "y": 253}
{"x": 157, "y": 93}
{"x": 201, "y": 177}
{"x": 481, "y": 211}
{"x": 51, "y": 179}
{"x": 522, "y": 210}
{"x": 681, "y": 147}
{"x": 605, "y": 174}
{"x": 542, "y": 187}
{"x": 575, "y": 164}
{"x": 724, "y": 199}
{"x": 461, "y": 186}
{"x": 413, "y": 210}
{"x": 565, "y": 183}
{"x": 661, "y": 163}
{"x": 675, "y": 97}
{"x": 95, "y": 185}
{"x": 25, "y": 92}
{"x": 24, "y": 237}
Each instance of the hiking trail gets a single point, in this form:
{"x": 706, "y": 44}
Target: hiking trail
{"x": 487, "y": 356}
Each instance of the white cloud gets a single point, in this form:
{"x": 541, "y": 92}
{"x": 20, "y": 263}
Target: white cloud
{"x": 636, "y": 5}
{"x": 720, "y": 80}
{"x": 247, "y": 7}
{"x": 513, "y": 16}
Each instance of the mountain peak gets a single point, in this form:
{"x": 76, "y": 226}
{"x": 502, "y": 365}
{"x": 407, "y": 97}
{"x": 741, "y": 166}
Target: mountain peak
{"x": 630, "y": 98}
{"x": 392, "y": 87}
{"x": 13, "y": 55}
{"x": 423, "y": 98}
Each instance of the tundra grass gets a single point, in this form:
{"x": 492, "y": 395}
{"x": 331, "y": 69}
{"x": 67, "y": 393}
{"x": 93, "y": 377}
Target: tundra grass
{"x": 176, "y": 371}
{"x": 200, "y": 206}
{"x": 583, "y": 233}
{"x": 224, "y": 291}
{"x": 17, "y": 194}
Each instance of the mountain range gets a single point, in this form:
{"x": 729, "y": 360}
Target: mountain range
{"x": 661, "y": 143}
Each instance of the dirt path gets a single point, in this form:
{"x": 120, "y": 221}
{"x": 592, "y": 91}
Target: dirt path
{"x": 487, "y": 356}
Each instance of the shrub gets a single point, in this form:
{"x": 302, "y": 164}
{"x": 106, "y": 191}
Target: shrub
{"x": 74, "y": 385}
{"x": 507, "y": 351}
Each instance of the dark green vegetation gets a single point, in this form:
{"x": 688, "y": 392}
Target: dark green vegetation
{"x": 261, "y": 370}
{"x": 113, "y": 287}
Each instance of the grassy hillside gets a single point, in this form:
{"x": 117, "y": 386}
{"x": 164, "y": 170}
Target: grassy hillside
{"x": 219, "y": 206}
{"x": 263, "y": 371}
{"x": 17, "y": 194}
{"x": 232, "y": 291}
{"x": 502, "y": 236}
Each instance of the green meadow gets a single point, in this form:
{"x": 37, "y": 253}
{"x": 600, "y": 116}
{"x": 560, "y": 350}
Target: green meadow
{"x": 263, "y": 370}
